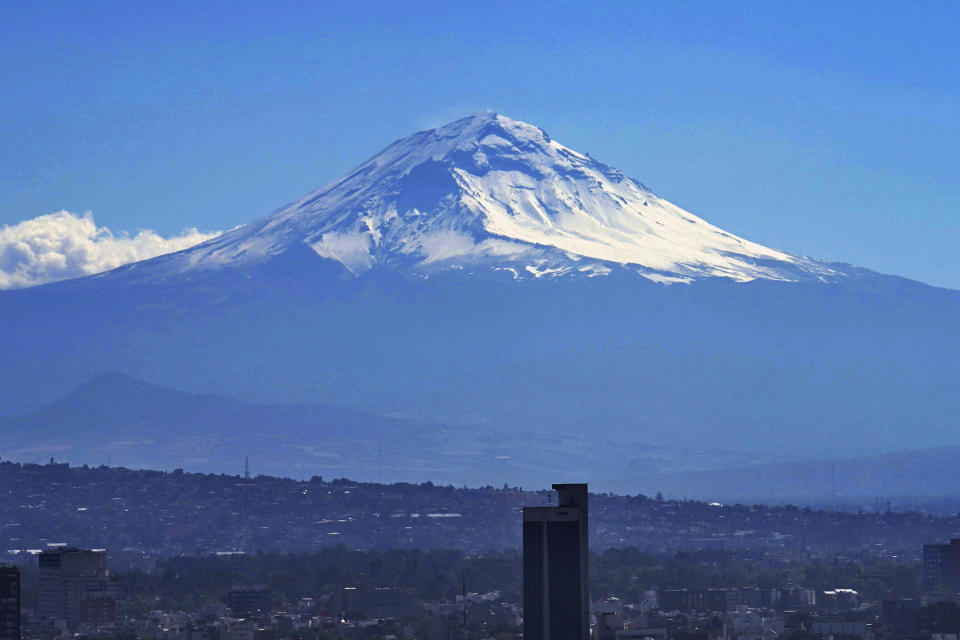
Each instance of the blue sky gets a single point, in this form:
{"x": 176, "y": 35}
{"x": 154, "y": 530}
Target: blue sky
{"x": 827, "y": 129}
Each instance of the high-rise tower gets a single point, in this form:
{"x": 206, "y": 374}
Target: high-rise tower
{"x": 556, "y": 599}
{"x": 65, "y": 575}
{"x": 9, "y": 603}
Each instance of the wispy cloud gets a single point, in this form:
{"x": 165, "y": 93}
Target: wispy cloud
{"x": 62, "y": 245}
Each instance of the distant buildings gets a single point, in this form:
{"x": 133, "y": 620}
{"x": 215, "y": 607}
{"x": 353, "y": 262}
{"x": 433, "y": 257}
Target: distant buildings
{"x": 190, "y": 511}
{"x": 9, "y": 603}
{"x": 75, "y": 588}
{"x": 556, "y": 602}
{"x": 378, "y": 602}
{"x": 941, "y": 566}
{"x": 704, "y": 600}
{"x": 689, "y": 600}
{"x": 835, "y": 629}
{"x": 248, "y": 601}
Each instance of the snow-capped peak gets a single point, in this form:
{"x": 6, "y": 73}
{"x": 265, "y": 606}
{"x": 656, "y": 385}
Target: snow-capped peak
{"x": 490, "y": 193}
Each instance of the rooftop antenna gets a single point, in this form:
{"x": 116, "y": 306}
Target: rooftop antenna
{"x": 246, "y": 467}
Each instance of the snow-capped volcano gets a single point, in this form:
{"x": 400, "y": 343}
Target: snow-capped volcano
{"x": 270, "y": 312}
{"x": 490, "y": 193}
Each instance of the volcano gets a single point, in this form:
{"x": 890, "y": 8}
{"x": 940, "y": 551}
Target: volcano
{"x": 490, "y": 193}
{"x": 485, "y": 277}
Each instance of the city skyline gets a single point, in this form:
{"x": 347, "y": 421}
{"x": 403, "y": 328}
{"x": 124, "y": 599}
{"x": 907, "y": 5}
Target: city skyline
{"x": 304, "y": 306}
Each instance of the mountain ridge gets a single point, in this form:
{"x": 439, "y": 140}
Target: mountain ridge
{"x": 145, "y": 425}
{"x": 139, "y": 424}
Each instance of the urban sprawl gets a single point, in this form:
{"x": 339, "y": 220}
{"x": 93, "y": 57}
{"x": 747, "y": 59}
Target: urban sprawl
{"x": 116, "y": 553}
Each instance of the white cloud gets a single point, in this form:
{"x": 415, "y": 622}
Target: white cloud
{"x": 447, "y": 244}
{"x": 62, "y": 245}
{"x": 351, "y": 249}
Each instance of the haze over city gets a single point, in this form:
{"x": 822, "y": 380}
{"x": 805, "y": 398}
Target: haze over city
{"x": 479, "y": 321}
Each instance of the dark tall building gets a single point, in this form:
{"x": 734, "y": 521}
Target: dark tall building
{"x": 556, "y": 597}
{"x": 9, "y": 603}
{"x": 937, "y": 566}
{"x": 62, "y": 573}
{"x": 247, "y": 601}
{"x": 75, "y": 588}
{"x": 955, "y": 564}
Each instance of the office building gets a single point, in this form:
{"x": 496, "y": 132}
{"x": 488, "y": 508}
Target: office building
{"x": 249, "y": 601}
{"x": 955, "y": 564}
{"x": 941, "y": 566}
{"x": 9, "y": 603}
{"x": 556, "y": 598}
{"x": 101, "y": 603}
{"x": 75, "y": 587}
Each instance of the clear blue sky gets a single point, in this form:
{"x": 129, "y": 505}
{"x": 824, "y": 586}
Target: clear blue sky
{"x": 828, "y": 129}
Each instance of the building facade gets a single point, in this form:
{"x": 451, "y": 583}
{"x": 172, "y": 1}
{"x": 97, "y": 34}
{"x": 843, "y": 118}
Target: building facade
{"x": 556, "y": 597}
{"x": 939, "y": 566}
{"x": 9, "y": 603}
{"x": 248, "y": 601}
{"x": 75, "y": 588}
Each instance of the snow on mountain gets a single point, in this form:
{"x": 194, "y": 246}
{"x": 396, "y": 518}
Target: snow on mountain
{"x": 490, "y": 193}
{"x": 857, "y": 366}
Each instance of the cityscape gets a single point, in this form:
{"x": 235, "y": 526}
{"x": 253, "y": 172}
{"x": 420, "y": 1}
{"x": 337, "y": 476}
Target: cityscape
{"x": 369, "y": 560}
{"x": 462, "y": 320}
